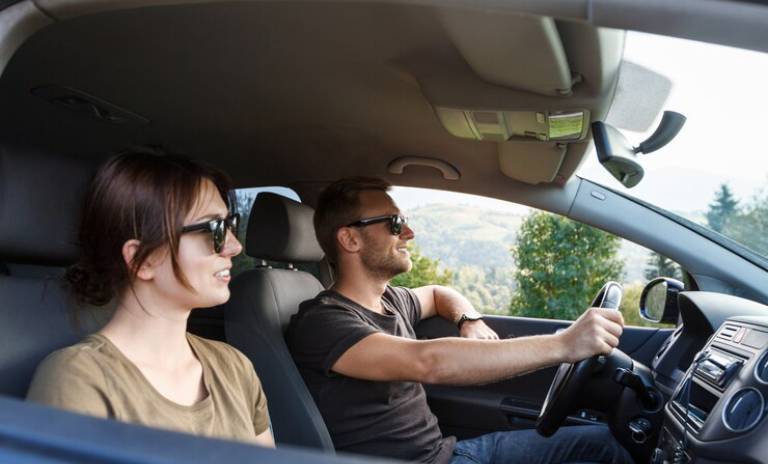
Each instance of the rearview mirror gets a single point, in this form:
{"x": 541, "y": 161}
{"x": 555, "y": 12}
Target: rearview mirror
{"x": 658, "y": 302}
{"x": 618, "y": 156}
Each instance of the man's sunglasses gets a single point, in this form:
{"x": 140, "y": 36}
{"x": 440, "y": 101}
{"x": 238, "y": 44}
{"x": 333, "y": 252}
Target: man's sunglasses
{"x": 396, "y": 222}
{"x": 217, "y": 228}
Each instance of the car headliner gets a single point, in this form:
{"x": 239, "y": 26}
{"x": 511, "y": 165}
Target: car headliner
{"x": 300, "y": 93}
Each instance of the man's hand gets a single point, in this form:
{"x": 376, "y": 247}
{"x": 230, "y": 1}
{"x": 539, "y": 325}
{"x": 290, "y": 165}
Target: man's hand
{"x": 597, "y": 331}
{"x": 477, "y": 329}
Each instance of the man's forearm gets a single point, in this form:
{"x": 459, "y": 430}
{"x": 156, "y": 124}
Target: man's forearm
{"x": 459, "y": 361}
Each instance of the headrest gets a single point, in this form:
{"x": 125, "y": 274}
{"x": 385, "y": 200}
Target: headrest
{"x": 40, "y": 201}
{"x": 281, "y": 229}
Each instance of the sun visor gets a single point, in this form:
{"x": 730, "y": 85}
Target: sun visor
{"x": 516, "y": 51}
{"x": 531, "y": 162}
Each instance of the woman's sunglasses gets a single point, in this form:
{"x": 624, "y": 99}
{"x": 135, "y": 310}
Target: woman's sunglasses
{"x": 396, "y": 222}
{"x": 217, "y": 228}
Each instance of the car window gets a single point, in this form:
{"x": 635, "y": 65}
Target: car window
{"x": 509, "y": 259}
{"x": 714, "y": 172}
{"x": 244, "y": 201}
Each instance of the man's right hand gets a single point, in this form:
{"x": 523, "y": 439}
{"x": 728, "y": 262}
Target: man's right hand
{"x": 597, "y": 331}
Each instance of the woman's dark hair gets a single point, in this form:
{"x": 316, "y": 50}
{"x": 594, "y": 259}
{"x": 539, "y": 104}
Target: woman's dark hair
{"x": 135, "y": 195}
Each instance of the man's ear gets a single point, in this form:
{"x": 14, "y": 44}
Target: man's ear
{"x": 146, "y": 270}
{"x": 348, "y": 240}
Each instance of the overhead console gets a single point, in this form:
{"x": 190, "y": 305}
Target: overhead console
{"x": 502, "y": 126}
{"x": 717, "y": 413}
{"x": 529, "y": 84}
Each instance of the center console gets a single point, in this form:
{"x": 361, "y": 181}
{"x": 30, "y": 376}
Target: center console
{"x": 718, "y": 409}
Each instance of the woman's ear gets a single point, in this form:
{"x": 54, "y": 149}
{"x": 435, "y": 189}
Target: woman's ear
{"x": 146, "y": 270}
{"x": 348, "y": 240}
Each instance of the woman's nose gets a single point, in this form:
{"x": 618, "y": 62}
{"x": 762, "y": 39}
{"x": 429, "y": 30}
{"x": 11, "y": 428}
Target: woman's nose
{"x": 232, "y": 246}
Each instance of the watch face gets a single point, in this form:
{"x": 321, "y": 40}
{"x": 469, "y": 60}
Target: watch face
{"x": 465, "y": 318}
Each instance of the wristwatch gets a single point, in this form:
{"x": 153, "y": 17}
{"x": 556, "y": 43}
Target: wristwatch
{"x": 464, "y": 318}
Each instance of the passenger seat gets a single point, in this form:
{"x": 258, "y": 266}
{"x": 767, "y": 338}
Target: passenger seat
{"x": 262, "y": 303}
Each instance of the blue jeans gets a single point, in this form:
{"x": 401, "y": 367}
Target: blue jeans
{"x": 579, "y": 444}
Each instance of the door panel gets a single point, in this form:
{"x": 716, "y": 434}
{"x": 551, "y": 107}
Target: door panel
{"x": 515, "y": 403}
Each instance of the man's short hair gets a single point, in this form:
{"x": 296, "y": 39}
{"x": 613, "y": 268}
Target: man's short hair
{"x": 339, "y": 205}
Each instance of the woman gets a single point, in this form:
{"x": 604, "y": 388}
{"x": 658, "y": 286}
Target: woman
{"x": 157, "y": 238}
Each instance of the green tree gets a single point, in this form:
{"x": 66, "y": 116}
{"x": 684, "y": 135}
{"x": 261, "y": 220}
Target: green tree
{"x": 489, "y": 290}
{"x": 722, "y": 209}
{"x": 750, "y": 225}
{"x": 660, "y": 266}
{"x": 425, "y": 271}
{"x": 561, "y": 264}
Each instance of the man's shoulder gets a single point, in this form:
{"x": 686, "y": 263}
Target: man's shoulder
{"x": 325, "y": 297}
{"x": 398, "y": 293}
{"x": 403, "y": 300}
{"x": 324, "y": 304}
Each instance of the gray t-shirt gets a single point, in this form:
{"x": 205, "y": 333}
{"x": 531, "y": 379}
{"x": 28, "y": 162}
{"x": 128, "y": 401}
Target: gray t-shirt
{"x": 390, "y": 419}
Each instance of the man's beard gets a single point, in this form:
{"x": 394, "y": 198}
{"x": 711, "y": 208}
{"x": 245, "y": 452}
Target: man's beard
{"x": 384, "y": 264}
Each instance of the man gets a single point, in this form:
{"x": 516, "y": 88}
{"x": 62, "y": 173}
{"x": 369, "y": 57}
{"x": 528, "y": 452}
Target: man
{"x": 356, "y": 347}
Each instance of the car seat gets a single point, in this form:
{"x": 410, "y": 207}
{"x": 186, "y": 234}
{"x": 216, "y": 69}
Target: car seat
{"x": 259, "y": 310}
{"x": 40, "y": 199}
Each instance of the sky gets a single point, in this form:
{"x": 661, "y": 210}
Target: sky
{"x": 722, "y": 92}
{"x": 408, "y": 198}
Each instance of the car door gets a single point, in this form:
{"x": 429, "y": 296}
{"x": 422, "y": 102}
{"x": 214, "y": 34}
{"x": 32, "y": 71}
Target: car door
{"x": 515, "y": 403}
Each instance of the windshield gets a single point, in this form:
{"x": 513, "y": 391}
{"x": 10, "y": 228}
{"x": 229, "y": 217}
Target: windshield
{"x": 714, "y": 173}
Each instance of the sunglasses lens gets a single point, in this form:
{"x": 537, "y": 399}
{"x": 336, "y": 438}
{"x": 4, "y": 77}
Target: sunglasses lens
{"x": 219, "y": 235}
{"x": 234, "y": 223}
{"x": 396, "y": 225}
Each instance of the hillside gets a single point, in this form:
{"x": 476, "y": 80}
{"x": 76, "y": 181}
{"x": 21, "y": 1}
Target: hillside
{"x": 475, "y": 244}
{"x": 460, "y": 235}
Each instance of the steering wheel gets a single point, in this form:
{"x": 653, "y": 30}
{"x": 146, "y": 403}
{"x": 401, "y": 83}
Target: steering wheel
{"x": 570, "y": 378}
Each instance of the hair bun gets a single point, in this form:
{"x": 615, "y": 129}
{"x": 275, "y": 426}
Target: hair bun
{"x": 87, "y": 286}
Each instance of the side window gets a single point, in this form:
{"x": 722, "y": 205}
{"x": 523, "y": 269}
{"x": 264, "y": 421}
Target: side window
{"x": 509, "y": 259}
{"x": 244, "y": 201}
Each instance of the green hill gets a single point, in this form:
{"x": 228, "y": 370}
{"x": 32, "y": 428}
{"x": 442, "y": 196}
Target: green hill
{"x": 475, "y": 244}
{"x": 460, "y": 235}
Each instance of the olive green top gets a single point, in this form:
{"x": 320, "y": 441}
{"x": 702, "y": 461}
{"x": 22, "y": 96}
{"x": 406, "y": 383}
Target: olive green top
{"x": 93, "y": 377}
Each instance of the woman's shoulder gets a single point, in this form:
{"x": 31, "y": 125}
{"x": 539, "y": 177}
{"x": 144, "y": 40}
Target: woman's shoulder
{"x": 220, "y": 354}
{"x": 85, "y": 355}
{"x": 72, "y": 377}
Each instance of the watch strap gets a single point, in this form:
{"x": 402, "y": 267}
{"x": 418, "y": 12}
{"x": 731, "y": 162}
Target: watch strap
{"x": 464, "y": 318}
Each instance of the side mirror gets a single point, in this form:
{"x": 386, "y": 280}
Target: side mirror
{"x": 658, "y": 302}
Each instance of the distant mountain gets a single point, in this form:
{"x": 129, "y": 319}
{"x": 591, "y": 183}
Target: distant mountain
{"x": 475, "y": 243}
{"x": 461, "y": 235}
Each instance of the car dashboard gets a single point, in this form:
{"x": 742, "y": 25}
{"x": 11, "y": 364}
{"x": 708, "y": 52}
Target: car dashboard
{"x": 714, "y": 372}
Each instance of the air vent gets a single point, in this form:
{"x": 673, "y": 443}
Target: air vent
{"x": 761, "y": 369}
{"x": 728, "y": 331}
{"x": 744, "y": 410}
